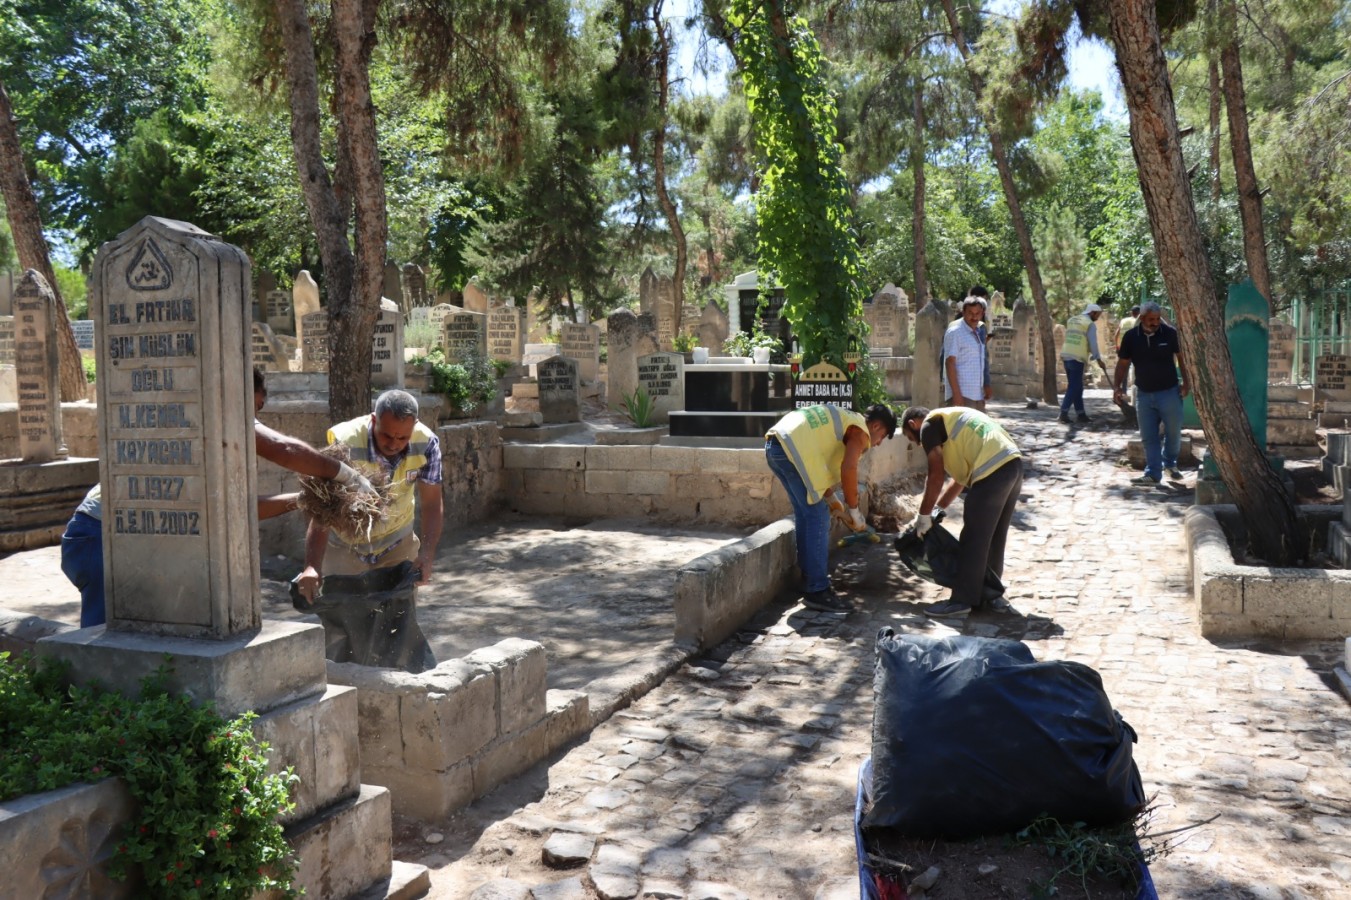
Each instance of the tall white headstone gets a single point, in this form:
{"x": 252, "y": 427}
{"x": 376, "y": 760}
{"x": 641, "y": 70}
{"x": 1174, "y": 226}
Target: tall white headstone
{"x": 387, "y": 347}
{"x": 506, "y": 333}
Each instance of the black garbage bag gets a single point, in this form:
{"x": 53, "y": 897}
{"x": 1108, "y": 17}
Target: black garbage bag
{"x": 371, "y": 619}
{"x": 936, "y": 557}
{"x": 972, "y": 736}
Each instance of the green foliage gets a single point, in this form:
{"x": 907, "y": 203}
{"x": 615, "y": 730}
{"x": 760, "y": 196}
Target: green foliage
{"x": 806, "y": 233}
{"x": 466, "y": 386}
{"x": 684, "y": 342}
{"x": 745, "y": 343}
{"x": 90, "y": 370}
{"x": 1071, "y": 279}
{"x": 72, "y": 285}
{"x": 1082, "y": 851}
{"x": 206, "y": 825}
{"x": 870, "y": 386}
{"x": 638, "y": 407}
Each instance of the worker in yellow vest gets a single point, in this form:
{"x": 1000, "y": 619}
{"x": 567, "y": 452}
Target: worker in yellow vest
{"x": 389, "y": 440}
{"x": 967, "y": 449}
{"x": 811, "y": 451}
{"x": 1081, "y": 344}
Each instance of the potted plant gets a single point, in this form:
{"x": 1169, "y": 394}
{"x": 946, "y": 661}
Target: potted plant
{"x": 685, "y": 342}
{"x": 758, "y": 345}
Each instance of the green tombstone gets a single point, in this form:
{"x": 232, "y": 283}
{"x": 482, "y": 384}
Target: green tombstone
{"x": 1247, "y": 316}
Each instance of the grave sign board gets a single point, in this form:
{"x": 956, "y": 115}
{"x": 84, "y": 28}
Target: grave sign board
{"x": 1332, "y": 377}
{"x": 662, "y": 376}
{"x": 436, "y": 317}
{"x": 560, "y": 396}
{"x": 1281, "y": 356}
{"x": 266, "y": 349}
{"x": 464, "y": 335}
{"x": 6, "y": 340}
{"x": 314, "y": 343}
{"x": 582, "y": 343}
{"x": 180, "y": 521}
{"x": 823, "y": 384}
{"x": 278, "y": 311}
{"x": 83, "y": 329}
{"x": 37, "y": 370}
{"x": 387, "y": 347}
{"x": 1000, "y": 346}
{"x": 506, "y": 333}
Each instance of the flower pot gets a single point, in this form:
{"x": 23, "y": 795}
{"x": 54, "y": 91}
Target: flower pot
{"x": 761, "y": 356}
{"x": 699, "y": 355}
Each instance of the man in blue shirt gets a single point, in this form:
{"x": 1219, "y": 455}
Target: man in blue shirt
{"x": 1160, "y": 384}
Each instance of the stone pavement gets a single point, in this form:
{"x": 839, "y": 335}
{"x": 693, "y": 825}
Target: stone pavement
{"x": 735, "y": 778}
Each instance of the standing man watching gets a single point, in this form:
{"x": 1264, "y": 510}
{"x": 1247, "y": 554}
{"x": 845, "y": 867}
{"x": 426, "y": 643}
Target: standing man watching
{"x": 810, "y": 451}
{"x": 978, "y": 454}
{"x": 965, "y": 366}
{"x": 391, "y": 440}
{"x": 1081, "y": 344}
{"x": 1160, "y": 384}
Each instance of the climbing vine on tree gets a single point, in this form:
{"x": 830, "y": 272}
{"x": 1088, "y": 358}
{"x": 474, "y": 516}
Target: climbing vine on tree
{"x": 805, "y": 223}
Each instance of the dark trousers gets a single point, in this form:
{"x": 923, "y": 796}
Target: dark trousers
{"x": 986, "y": 514}
{"x": 82, "y": 561}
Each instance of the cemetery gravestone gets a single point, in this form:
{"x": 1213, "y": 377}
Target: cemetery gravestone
{"x": 582, "y": 343}
{"x": 278, "y": 312}
{"x": 38, "y": 370}
{"x": 559, "y": 390}
{"x": 1281, "y": 354}
{"x": 387, "y": 347}
{"x": 176, "y": 426}
{"x": 314, "y": 344}
{"x": 884, "y": 323}
{"x": 6, "y": 340}
{"x": 506, "y": 333}
{"x": 83, "y": 329}
{"x": 628, "y": 336}
{"x": 464, "y": 336}
{"x": 656, "y": 296}
{"x": 475, "y": 300}
{"x": 390, "y": 287}
{"x": 1330, "y": 378}
{"x": 304, "y": 301}
{"x": 266, "y": 351}
{"x": 662, "y": 376}
{"x": 436, "y": 315}
{"x": 1000, "y": 348}
{"x": 415, "y": 286}
{"x": 930, "y": 324}
{"x": 713, "y": 328}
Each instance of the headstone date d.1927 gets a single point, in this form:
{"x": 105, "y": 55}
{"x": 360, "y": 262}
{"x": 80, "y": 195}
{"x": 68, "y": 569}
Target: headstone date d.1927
{"x": 180, "y": 525}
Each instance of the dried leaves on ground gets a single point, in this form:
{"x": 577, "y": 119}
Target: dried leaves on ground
{"x": 349, "y": 512}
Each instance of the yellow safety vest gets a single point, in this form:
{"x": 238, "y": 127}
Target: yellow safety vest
{"x": 1076, "y": 338}
{"x": 1126, "y": 325}
{"x": 976, "y": 444}
{"x": 813, "y": 439}
{"x": 398, "y": 524}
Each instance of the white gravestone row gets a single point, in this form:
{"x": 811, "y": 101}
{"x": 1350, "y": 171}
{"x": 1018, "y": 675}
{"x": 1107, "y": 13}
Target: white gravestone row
{"x": 387, "y": 347}
{"x": 83, "y": 329}
{"x": 662, "y": 376}
{"x": 38, "y": 370}
{"x": 582, "y": 343}
{"x": 175, "y": 424}
{"x": 464, "y": 335}
{"x": 559, "y": 390}
{"x": 506, "y": 333}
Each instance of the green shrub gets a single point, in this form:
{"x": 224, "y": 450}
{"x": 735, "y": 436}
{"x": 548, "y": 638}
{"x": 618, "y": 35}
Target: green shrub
{"x": 684, "y": 342}
{"x": 90, "y": 373}
{"x": 206, "y": 825}
{"x": 638, "y": 407}
{"x": 466, "y": 386}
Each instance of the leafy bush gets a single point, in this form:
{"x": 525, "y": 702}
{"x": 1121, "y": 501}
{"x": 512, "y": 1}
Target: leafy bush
{"x": 90, "y": 372}
{"x": 684, "y": 342}
{"x": 742, "y": 344}
{"x": 466, "y": 386}
{"x": 206, "y": 825}
{"x": 638, "y": 407}
{"x": 419, "y": 334}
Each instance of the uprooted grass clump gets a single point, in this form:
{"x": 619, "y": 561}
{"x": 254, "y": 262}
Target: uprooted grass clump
{"x": 343, "y": 508}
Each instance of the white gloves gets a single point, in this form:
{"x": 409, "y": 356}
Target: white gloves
{"x": 835, "y": 501}
{"x": 854, "y": 519}
{"x": 922, "y": 524}
{"x": 352, "y": 478}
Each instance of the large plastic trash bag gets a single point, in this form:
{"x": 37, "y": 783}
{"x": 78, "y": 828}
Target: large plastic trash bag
{"x": 371, "y": 619}
{"x": 936, "y": 557}
{"x": 972, "y": 736}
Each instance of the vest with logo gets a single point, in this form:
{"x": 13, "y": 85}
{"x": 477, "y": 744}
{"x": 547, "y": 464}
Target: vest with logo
{"x": 976, "y": 444}
{"x": 1076, "y": 338}
{"x": 398, "y": 523}
{"x": 813, "y": 439}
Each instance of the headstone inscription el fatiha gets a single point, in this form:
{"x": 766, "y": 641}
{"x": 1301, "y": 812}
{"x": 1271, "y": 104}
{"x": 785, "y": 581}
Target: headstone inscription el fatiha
{"x": 314, "y": 344}
{"x": 83, "y": 329}
{"x": 506, "y": 333}
{"x": 464, "y": 335}
{"x": 560, "y": 396}
{"x": 1330, "y": 380}
{"x": 662, "y": 376}
{"x": 387, "y": 347}
{"x": 582, "y": 343}
{"x": 37, "y": 364}
{"x": 180, "y": 521}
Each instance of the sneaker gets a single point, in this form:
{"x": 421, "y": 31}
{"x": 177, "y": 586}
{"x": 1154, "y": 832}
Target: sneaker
{"x": 1083, "y": 418}
{"x": 949, "y": 609}
{"x": 1064, "y": 417}
{"x": 1175, "y": 474}
{"x": 1146, "y": 480}
{"x": 824, "y": 601}
{"x": 999, "y": 605}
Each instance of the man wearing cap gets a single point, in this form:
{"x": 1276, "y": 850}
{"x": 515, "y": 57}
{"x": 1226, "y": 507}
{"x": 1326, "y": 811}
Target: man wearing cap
{"x": 1081, "y": 344}
{"x": 967, "y": 449}
{"x": 810, "y": 451}
{"x": 966, "y": 379}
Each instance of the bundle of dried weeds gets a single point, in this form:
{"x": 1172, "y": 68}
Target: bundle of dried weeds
{"x": 341, "y": 507}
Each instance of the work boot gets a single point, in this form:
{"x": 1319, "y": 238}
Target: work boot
{"x": 949, "y": 609}
{"x": 1064, "y": 416}
{"x": 825, "y": 601}
{"x": 1083, "y": 419}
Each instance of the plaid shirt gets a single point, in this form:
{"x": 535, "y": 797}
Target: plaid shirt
{"x": 428, "y": 474}
{"x": 965, "y": 345}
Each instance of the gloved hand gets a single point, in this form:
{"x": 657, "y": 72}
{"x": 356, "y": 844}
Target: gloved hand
{"x": 835, "y": 500}
{"x": 939, "y": 514}
{"x": 352, "y": 478}
{"x": 922, "y": 524}
{"x": 854, "y": 519}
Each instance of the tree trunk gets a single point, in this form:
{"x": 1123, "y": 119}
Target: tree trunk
{"x": 1267, "y": 511}
{"x": 1044, "y": 324}
{"x": 25, "y": 223}
{"x": 917, "y": 222}
{"x": 352, "y": 316}
{"x": 1249, "y": 196}
{"x": 659, "y": 163}
{"x": 1215, "y": 99}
